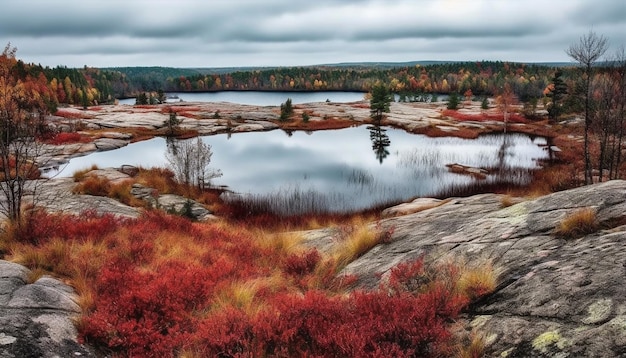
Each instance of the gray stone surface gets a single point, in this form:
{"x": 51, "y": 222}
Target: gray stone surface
{"x": 37, "y": 320}
{"x": 557, "y": 297}
{"x": 56, "y": 196}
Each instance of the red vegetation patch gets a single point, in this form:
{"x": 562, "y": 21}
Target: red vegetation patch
{"x": 189, "y": 114}
{"x": 145, "y": 106}
{"x": 177, "y": 109}
{"x": 67, "y": 138}
{"x": 513, "y": 117}
{"x": 72, "y": 114}
{"x": 162, "y": 285}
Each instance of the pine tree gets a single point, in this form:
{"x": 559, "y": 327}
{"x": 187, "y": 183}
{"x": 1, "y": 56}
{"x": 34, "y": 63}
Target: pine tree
{"x": 380, "y": 102}
{"x": 557, "y": 93}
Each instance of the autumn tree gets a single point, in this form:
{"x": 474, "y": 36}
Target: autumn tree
{"x": 505, "y": 100}
{"x": 587, "y": 51}
{"x": 380, "y": 102}
{"x": 22, "y": 106}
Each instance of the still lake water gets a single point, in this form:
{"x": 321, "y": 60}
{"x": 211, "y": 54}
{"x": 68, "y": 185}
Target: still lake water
{"x": 257, "y": 98}
{"x": 339, "y": 169}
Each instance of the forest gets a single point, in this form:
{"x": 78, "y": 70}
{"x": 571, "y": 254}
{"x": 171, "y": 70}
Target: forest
{"x": 90, "y": 86}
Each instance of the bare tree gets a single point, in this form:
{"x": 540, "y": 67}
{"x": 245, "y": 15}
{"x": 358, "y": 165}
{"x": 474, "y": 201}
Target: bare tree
{"x": 190, "y": 161}
{"x": 619, "y": 76}
{"x": 587, "y": 51}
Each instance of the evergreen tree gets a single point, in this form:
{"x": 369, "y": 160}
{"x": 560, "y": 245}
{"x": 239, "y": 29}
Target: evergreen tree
{"x": 141, "y": 99}
{"x": 453, "y": 101}
{"x": 557, "y": 94}
{"x": 286, "y": 110}
{"x": 380, "y": 102}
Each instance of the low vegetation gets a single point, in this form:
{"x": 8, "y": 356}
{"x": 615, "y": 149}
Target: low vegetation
{"x": 577, "y": 224}
{"x": 161, "y": 285}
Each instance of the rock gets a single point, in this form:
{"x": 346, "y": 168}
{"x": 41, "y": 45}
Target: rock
{"x": 38, "y": 319}
{"x": 117, "y": 135}
{"x": 415, "y": 206}
{"x": 111, "y": 174}
{"x": 56, "y": 196}
{"x": 171, "y": 202}
{"x": 177, "y": 204}
{"x": 104, "y": 144}
{"x": 557, "y": 297}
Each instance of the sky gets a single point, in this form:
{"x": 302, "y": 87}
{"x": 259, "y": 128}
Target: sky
{"x": 229, "y": 33}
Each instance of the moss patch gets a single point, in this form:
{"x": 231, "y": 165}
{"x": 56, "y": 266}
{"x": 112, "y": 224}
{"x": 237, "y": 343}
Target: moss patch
{"x": 543, "y": 341}
{"x": 599, "y": 311}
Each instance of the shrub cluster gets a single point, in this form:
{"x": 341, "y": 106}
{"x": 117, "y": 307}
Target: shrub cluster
{"x": 161, "y": 286}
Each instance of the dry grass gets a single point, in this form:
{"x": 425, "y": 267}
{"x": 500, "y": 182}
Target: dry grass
{"x": 506, "y": 201}
{"x": 475, "y": 348}
{"x": 477, "y": 280}
{"x": 355, "y": 239}
{"x": 577, "y": 224}
{"x": 79, "y": 175}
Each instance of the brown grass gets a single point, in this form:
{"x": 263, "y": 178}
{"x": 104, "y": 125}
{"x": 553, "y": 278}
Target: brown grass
{"x": 506, "y": 201}
{"x": 577, "y": 224}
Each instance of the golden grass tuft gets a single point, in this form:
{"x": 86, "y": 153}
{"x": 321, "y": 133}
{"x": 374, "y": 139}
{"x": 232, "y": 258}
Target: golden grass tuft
{"x": 356, "y": 239}
{"x": 475, "y": 348}
{"x": 34, "y": 275}
{"x": 79, "y": 175}
{"x": 577, "y": 224}
{"x": 506, "y": 201}
{"x": 477, "y": 280}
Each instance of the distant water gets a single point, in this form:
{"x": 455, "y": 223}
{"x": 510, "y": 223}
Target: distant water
{"x": 260, "y": 98}
{"x": 347, "y": 169}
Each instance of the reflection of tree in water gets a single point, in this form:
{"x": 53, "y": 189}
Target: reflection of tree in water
{"x": 380, "y": 142}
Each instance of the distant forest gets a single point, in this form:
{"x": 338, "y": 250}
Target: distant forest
{"x": 88, "y": 86}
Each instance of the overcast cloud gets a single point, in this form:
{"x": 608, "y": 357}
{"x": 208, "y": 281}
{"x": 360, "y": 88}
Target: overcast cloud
{"x": 225, "y": 33}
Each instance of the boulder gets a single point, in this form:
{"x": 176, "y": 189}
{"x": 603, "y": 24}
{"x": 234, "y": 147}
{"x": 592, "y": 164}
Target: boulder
{"x": 558, "y": 295}
{"x": 37, "y": 319}
{"x": 104, "y": 144}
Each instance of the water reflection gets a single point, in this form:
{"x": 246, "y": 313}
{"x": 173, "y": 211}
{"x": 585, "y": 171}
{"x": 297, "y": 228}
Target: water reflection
{"x": 380, "y": 142}
{"x": 336, "y": 169}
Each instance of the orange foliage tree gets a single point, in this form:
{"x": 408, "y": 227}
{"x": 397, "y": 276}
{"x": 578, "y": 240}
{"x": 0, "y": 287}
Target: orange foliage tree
{"x": 22, "y": 110}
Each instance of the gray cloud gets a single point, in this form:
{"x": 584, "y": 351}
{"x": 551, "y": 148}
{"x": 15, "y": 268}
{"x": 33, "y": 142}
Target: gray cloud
{"x": 188, "y": 33}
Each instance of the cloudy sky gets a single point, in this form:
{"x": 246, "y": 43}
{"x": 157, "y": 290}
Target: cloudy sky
{"x": 225, "y": 33}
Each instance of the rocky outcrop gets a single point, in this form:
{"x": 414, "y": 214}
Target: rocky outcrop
{"x": 172, "y": 203}
{"x": 558, "y": 296}
{"x": 56, "y": 196}
{"x": 36, "y": 319}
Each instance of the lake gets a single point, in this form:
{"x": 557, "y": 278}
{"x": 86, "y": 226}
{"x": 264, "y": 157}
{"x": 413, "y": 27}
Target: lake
{"x": 347, "y": 169}
{"x": 258, "y": 98}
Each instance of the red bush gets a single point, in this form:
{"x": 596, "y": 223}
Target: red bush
{"x": 41, "y": 226}
{"x": 65, "y": 138}
{"x": 146, "y": 314}
{"x": 301, "y": 264}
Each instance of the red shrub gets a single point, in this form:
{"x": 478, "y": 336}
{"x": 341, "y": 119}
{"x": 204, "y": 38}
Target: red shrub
{"x": 65, "y": 138}
{"x": 146, "y": 314}
{"x": 301, "y": 264}
{"x": 366, "y": 324}
{"x": 41, "y": 226}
